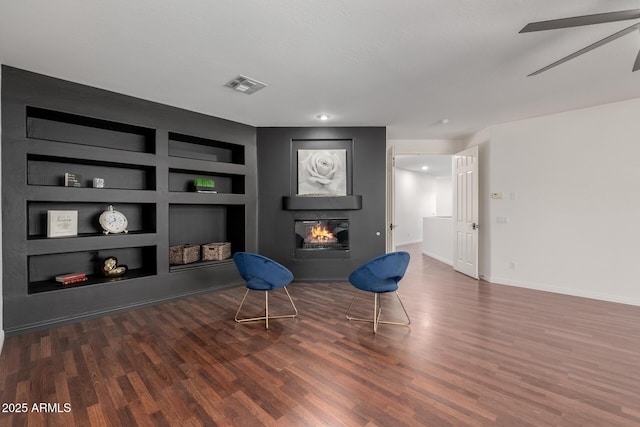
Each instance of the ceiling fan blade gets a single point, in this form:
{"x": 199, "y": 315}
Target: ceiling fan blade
{"x": 636, "y": 65}
{"x": 597, "y": 44}
{"x": 577, "y": 21}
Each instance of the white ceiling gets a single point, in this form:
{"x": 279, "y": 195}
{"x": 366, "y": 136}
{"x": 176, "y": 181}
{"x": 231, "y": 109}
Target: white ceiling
{"x": 401, "y": 64}
{"x": 437, "y": 165}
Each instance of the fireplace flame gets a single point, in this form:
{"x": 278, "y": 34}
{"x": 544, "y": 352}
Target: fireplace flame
{"x": 320, "y": 233}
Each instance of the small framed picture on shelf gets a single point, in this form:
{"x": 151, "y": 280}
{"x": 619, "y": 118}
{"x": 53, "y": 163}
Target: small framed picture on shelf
{"x": 62, "y": 223}
{"x": 98, "y": 182}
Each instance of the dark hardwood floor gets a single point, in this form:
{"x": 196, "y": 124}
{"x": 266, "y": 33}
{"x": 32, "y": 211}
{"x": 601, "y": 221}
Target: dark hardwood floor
{"x": 476, "y": 354}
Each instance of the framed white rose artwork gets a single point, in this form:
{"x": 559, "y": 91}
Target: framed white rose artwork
{"x": 322, "y": 172}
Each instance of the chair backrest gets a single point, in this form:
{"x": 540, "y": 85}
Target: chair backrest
{"x": 261, "y": 272}
{"x": 391, "y": 265}
{"x": 382, "y": 272}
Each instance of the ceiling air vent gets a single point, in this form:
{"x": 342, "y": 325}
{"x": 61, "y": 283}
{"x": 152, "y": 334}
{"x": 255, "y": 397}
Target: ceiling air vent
{"x": 246, "y": 84}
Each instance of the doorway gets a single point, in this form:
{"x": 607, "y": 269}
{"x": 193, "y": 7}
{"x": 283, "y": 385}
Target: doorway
{"x": 423, "y": 203}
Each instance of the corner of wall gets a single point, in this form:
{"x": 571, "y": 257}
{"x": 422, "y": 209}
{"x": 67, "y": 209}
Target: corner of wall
{"x": 1, "y": 292}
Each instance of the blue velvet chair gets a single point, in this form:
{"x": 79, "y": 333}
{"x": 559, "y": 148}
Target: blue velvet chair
{"x": 380, "y": 275}
{"x": 262, "y": 274}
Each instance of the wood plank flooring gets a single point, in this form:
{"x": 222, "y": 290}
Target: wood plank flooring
{"x": 476, "y": 354}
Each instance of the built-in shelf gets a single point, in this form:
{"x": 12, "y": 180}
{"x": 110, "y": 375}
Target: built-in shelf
{"x": 76, "y": 129}
{"x": 200, "y": 264}
{"x": 193, "y": 147}
{"x": 141, "y": 217}
{"x": 182, "y": 181}
{"x": 141, "y": 262}
{"x": 308, "y": 203}
{"x": 50, "y": 171}
{"x": 92, "y": 279}
{"x": 148, "y": 155}
{"x": 39, "y": 245}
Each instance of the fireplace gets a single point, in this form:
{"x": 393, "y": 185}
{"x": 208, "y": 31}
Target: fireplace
{"x": 322, "y": 235}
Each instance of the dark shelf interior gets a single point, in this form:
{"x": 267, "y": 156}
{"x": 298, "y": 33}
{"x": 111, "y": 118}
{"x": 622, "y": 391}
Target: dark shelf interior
{"x": 141, "y": 261}
{"x": 93, "y": 279}
{"x": 49, "y": 171}
{"x": 72, "y": 128}
{"x": 192, "y": 147}
{"x": 182, "y": 181}
{"x": 202, "y": 224}
{"x": 140, "y": 216}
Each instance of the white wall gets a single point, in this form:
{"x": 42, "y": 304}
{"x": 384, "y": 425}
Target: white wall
{"x": 444, "y": 196}
{"x": 571, "y": 196}
{"x": 1, "y": 297}
{"x": 418, "y": 196}
{"x": 426, "y": 146}
{"x": 415, "y": 195}
{"x": 437, "y": 241}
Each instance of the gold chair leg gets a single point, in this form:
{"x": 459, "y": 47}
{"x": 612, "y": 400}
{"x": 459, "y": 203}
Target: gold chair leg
{"x": 266, "y": 317}
{"x": 377, "y": 311}
{"x": 240, "y": 307}
{"x": 266, "y": 310}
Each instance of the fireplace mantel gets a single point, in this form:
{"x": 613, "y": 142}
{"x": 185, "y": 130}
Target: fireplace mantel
{"x": 305, "y": 203}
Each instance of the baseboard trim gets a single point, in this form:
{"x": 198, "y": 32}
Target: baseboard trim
{"x": 438, "y": 257}
{"x": 1, "y": 340}
{"x": 51, "y": 323}
{"x": 564, "y": 291}
{"x": 412, "y": 242}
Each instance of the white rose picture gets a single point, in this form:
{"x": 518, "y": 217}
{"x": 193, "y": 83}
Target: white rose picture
{"x": 322, "y": 172}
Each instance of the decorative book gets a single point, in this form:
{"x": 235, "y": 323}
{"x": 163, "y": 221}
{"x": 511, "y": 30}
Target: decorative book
{"x": 72, "y": 180}
{"x": 71, "y": 278}
{"x": 62, "y": 223}
{"x": 72, "y": 281}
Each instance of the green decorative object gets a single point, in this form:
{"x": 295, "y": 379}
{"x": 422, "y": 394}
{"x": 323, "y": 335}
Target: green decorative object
{"x": 204, "y": 185}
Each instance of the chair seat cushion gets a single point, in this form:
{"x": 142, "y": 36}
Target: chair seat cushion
{"x": 365, "y": 281}
{"x": 258, "y": 284}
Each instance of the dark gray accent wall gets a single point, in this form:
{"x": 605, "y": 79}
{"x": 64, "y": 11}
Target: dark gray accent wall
{"x": 277, "y": 180}
{"x": 147, "y": 178}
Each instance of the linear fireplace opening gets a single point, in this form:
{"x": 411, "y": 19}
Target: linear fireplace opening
{"x": 322, "y": 235}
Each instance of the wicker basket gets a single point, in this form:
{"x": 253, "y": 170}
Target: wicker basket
{"x": 184, "y": 254}
{"x": 216, "y": 251}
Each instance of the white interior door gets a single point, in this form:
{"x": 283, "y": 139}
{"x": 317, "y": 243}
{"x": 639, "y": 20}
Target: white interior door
{"x": 391, "y": 203}
{"x": 465, "y": 212}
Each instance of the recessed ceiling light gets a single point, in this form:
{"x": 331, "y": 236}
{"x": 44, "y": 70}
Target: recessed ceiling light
{"x": 323, "y": 117}
{"x": 424, "y": 168}
{"x": 444, "y": 121}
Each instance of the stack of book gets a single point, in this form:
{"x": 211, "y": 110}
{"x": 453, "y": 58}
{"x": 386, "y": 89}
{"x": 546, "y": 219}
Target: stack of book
{"x": 71, "y": 278}
{"x": 72, "y": 180}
